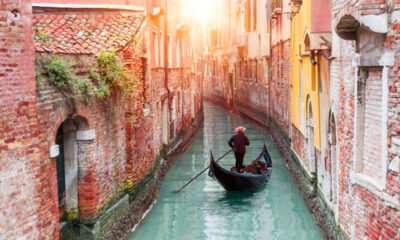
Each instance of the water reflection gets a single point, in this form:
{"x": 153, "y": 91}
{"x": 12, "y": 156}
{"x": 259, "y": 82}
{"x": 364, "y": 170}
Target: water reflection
{"x": 239, "y": 200}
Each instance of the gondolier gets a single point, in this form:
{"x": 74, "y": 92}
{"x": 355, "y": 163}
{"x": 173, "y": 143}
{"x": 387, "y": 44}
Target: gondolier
{"x": 239, "y": 142}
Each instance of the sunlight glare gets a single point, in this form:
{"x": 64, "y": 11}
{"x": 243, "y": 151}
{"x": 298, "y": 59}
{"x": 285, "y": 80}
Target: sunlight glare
{"x": 199, "y": 10}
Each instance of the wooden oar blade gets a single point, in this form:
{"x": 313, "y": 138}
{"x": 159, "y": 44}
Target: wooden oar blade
{"x": 202, "y": 172}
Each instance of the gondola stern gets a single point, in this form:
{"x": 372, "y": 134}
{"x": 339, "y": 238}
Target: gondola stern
{"x": 267, "y": 156}
{"x": 210, "y": 170}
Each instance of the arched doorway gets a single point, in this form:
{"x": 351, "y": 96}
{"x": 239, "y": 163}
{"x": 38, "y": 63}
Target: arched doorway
{"x": 67, "y": 164}
{"x": 333, "y": 159}
{"x": 310, "y": 138}
{"x": 60, "y": 170}
{"x": 164, "y": 121}
{"x": 173, "y": 117}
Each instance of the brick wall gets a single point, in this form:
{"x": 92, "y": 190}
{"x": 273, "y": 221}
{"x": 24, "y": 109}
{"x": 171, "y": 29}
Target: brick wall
{"x": 158, "y": 89}
{"x": 121, "y": 152}
{"x": 365, "y": 212}
{"x": 101, "y": 162}
{"x": 139, "y": 127}
{"x": 252, "y": 87}
{"x": 372, "y": 156}
{"x": 184, "y": 89}
{"x": 299, "y": 144}
{"x": 28, "y": 209}
{"x": 280, "y": 86}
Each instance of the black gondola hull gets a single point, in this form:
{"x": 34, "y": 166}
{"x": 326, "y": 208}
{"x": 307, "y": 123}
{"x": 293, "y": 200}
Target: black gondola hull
{"x": 233, "y": 181}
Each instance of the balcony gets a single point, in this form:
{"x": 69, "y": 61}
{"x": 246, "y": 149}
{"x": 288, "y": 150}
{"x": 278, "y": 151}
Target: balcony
{"x": 277, "y": 8}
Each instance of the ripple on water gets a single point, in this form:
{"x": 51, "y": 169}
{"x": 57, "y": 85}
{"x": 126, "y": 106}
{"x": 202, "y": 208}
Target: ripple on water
{"x": 204, "y": 210}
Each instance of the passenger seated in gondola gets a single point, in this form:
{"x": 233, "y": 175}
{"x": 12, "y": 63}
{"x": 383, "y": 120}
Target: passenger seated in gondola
{"x": 255, "y": 167}
{"x": 239, "y": 142}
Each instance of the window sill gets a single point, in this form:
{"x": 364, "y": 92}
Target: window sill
{"x": 370, "y": 184}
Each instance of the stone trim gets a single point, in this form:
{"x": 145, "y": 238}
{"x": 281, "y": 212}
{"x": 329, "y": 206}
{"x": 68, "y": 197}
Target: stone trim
{"x": 375, "y": 23}
{"x": 376, "y": 189}
{"x": 54, "y": 151}
{"x": 86, "y": 135}
{"x": 146, "y": 112}
{"x": 384, "y": 127}
{"x": 89, "y": 6}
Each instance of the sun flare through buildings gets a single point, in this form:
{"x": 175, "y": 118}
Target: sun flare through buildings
{"x": 200, "y": 11}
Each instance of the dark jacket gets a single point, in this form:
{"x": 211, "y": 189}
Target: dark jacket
{"x": 238, "y": 142}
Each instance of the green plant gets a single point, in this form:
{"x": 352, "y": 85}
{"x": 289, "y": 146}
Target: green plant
{"x": 72, "y": 215}
{"x": 94, "y": 75}
{"x": 59, "y": 73}
{"x": 42, "y": 36}
{"x": 39, "y": 79}
{"x": 85, "y": 87}
{"x": 102, "y": 81}
{"x": 110, "y": 71}
{"x": 111, "y": 76}
{"x": 102, "y": 91}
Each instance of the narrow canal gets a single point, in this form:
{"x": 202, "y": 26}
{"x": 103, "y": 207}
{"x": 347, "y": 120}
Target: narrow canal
{"x": 204, "y": 210}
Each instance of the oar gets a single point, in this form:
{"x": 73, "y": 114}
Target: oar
{"x": 202, "y": 172}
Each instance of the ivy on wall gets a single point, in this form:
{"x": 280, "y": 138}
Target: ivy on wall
{"x": 108, "y": 78}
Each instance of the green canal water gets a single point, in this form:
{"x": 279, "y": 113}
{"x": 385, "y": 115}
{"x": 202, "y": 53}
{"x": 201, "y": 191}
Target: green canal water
{"x": 204, "y": 210}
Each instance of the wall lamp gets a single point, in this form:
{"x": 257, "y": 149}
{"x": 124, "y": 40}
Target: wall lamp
{"x": 312, "y": 58}
{"x": 295, "y": 6}
{"x": 156, "y": 12}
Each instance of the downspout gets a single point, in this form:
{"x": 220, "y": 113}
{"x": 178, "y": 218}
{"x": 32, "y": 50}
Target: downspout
{"x": 269, "y": 64}
{"x": 166, "y": 71}
{"x": 166, "y": 53}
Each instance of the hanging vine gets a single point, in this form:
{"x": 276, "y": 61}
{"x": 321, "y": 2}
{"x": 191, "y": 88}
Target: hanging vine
{"x": 108, "y": 78}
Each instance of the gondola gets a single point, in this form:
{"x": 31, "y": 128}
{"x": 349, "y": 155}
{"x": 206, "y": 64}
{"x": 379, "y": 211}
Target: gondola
{"x": 234, "y": 181}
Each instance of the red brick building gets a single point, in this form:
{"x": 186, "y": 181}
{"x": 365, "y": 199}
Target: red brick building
{"x": 364, "y": 83}
{"x": 80, "y": 142}
{"x": 27, "y": 209}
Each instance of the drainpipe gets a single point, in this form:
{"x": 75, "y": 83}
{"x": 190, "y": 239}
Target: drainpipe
{"x": 166, "y": 70}
{"x": 270, "y": 63}
{"x": 166, "y": 52}
{"x": 166, "y": 47}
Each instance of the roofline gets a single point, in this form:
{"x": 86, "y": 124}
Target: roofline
{"x": 89, "y": 6}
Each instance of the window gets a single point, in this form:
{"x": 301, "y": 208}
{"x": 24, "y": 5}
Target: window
{"x": 183, "y": 52}
{"x": 301, "y": 90}
{"x": 254, "y": 22}
{"x": 248, "y": 16}
{"x": 156, "y": 50}
{"x": 370, "y": 124}
{"x": 169, "y": 51}
{"x": 256, "y": 71}
{"x": 214, "y": 37}
{"x": 161, "y": 42}
{"x": 178, "y": 56}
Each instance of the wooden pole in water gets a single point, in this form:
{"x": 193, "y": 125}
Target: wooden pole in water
{"x": 202, "y": 171}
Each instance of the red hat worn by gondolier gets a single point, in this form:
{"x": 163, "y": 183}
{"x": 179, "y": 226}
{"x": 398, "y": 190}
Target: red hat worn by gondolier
{"x": 240, "y": 129}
